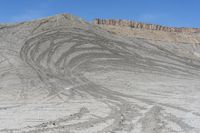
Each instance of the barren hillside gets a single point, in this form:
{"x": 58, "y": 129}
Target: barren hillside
{"x": 64, "y": 75}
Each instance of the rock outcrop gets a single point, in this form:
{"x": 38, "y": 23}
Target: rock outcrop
{"x": 140, "y": 25}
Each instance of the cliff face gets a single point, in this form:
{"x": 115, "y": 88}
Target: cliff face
{"x": 150, "y": 31}
{"x": 140, "y": 25}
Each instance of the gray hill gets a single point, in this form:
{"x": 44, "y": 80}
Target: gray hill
{"x": 62, "y": 74}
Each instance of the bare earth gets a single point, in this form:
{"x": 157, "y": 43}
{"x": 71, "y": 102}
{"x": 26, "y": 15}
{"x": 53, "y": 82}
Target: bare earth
{"x": 64, "y": 75}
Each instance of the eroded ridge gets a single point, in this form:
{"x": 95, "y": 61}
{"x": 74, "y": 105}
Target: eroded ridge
{"x": 143, "y": 26}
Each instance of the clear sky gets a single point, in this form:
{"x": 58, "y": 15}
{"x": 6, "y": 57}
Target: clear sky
{"x": 182, "y": 13}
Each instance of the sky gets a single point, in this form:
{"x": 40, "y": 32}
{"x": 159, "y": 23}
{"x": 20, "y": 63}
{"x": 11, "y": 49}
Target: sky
{"x": 179, "y": 13}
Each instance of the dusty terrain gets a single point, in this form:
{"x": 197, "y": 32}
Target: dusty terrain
{"x": 64, "y": 75}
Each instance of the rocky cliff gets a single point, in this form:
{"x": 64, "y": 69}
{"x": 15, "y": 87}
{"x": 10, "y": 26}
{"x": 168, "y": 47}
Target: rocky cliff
{"x": 140, "y": 25}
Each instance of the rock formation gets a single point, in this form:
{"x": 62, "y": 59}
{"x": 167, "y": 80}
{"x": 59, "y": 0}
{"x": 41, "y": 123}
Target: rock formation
{"x": 139, "y": 25}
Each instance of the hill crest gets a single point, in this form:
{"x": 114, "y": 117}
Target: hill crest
{"x": 140, "y": 25}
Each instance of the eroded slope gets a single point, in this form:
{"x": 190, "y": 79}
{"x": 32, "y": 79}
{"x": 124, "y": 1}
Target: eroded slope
{"x": 62, "y": 74}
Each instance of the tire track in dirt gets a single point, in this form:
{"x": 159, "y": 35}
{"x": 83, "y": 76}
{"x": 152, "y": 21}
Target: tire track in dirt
{"x": 40, "y": 53}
